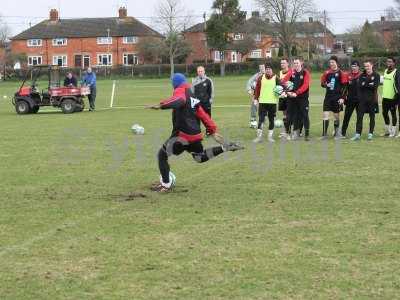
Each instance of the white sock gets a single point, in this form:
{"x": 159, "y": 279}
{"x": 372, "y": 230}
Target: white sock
{"x": 270, "y": 133}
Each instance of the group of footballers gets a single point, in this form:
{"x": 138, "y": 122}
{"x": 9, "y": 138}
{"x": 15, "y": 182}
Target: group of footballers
{"x": 287, "y": 92}
{"x": 355, "y": 90}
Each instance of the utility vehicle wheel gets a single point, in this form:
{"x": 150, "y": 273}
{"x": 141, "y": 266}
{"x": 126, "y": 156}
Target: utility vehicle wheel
{"x": 68, "y": 106}
{"x": 22, "y": 107}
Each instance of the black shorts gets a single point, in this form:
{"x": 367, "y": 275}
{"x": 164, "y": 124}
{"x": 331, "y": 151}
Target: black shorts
{"x": 267, "y": 108}
{"x": 283, "y": 104}
{"x": 367, "y": 107}
{"x": 390, "y": 104}
{"x": 332, "y": 104}
{"x": 176, "y": 146}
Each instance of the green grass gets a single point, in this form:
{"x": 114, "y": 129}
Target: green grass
{"x": 291, "y": 221}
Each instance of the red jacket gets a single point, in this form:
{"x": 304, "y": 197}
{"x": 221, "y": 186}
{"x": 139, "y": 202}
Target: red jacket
{"x": 187, "y": 114}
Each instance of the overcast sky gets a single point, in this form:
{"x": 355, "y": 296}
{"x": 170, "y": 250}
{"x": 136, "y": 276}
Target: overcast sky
{"x": 19, "y": 13}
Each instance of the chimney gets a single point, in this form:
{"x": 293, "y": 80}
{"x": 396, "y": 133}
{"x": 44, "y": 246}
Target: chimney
{"x": 311, "y": 19}
{"x": 122, "y": 12}
{"x": 54, "y": 15}
{"x": 255, "y": 14}
{"x": 383, "y": 19}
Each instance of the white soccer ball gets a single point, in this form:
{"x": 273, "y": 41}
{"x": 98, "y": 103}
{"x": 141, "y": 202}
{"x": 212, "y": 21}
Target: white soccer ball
{"x": 137, "y": 129}
{"x": 5, "y": 97}
{"x": 289, "y": 86}
{"x": 172, "y": 179}
{"x": 278, "y": 123}
{"x": 278, "y": 90}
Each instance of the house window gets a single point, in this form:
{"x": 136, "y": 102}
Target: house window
{"x": 217, "y": 56}
{"x": 257, "y": 37}
{"x": 238, "y": 37}
{"x": 130, "y": 40}
{"x": 60, "y": 60}
{"x": 34, "y": 43}
{"x": 300, "y": 35}
{"x": 256, "y": 53}
{"x": 59, "y": 42}
{"x": 104, "y": 59}
{"x": 268, "y": 53}
{"x": 319, "y": 34}
{"x": 130, "y": 59}
{"x": 34, "y": 60}
{"x": 107, "y": 40}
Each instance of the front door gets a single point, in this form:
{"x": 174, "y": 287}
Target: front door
{"x": 86, "y": 61}
{"x": 78, "y": 61}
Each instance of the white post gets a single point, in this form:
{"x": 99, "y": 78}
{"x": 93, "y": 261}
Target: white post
{"x": 112, "y": 95}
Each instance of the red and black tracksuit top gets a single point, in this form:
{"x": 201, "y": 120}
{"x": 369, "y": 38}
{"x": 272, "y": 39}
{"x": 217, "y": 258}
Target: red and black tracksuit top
{"x": 301, "y": 83}
{"x": 187, "y": 114}
{"x": 340, "y": 80}
{"x": 352, "y": 94}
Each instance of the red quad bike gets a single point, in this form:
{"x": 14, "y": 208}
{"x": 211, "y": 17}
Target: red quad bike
{"x": 29, "y": 98}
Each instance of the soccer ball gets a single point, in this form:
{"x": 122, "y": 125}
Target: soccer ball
{"x": 137, "y": 129}
{"x": 289, "y": 86}
{"x": 172, "y": 179}
{"x": 278, "y": 90}
{"x": 278, "y": 123}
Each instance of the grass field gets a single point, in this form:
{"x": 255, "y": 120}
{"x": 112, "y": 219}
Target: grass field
{"x": 317, "y": 220}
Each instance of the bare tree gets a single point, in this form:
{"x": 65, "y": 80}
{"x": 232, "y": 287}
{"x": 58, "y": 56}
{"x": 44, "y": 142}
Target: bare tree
{"x": 151, "y": 49}
{"x": 285, "y": 14}
{"x": 5, "y": 32}
{"x": 351, "y": 37}
{"x": 172, "y": 19}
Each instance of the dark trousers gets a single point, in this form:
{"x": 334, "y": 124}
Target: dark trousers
{"x": 176, "y": 146}
{"x": 92, "y": 97}
{"x": 366, "y": 108}
{"x": 266, "y": 110}
{"x": 298, "y": 114}
{"x": 389, "y": 105}
{"x": 351, "y": 106}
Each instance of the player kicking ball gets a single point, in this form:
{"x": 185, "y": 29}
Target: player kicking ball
{"x": 186, "y": 132}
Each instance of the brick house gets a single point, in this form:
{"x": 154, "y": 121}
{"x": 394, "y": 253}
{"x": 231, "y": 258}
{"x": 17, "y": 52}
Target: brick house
{"x": 389, "y": 31}
{"x": 79, "y": 43}
{"x": 313, "y": 34}
{"x": 309, "y": 34}
{"x": 253, "y": 26}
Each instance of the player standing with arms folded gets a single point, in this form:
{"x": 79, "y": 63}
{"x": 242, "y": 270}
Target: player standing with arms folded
{"x": 368, "y": 84}
{"x": 352, "y": 96}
